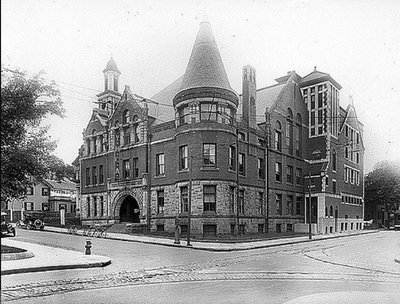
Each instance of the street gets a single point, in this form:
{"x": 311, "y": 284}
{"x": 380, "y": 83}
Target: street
{"x": 142, "y": 273}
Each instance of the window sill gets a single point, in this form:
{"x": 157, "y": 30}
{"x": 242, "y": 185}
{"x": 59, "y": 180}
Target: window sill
{"x": 209, "y": 169}
{"x": 159, "y": 176}
{"x": 183, "y": 170}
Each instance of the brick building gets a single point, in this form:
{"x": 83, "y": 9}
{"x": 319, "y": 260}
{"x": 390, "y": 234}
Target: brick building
{"x": 239, "y": 162}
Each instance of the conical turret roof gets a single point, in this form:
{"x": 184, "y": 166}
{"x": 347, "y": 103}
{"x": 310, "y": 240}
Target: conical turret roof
{"x": 205, "y": 67}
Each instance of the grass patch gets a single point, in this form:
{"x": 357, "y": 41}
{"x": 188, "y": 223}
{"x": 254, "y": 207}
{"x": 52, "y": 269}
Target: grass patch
{"x": 10, "y": 249}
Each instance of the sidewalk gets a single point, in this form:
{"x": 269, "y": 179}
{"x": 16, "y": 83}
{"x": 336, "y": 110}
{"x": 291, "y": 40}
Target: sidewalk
{"x": 218, "y": 246}
{"x": 47, "y": 258}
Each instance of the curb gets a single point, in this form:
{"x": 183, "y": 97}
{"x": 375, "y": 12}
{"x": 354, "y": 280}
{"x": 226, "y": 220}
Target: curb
{"x": 55, "y": 267}
{"x": 229, "y": 249}
{"x": 16, "y": 256}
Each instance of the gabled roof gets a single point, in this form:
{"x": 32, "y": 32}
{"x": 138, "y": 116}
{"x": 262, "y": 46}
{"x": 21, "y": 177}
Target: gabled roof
{"x": 64, "y": 184}
{"x": 205, "y": 67}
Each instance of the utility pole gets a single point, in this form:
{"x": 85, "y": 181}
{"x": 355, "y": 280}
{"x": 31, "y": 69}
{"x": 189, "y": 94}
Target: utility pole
{"x": 309, "y": 204}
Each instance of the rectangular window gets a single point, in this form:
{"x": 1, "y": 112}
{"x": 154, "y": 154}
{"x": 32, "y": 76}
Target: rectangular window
{"x": 160, "y": 201}
{"x": 334, "y": 186}
{"x": 299, "y": 201}
{"x": 101, "y": 143}
{"x": 209, "y": 198}
{"x": 29, "y": 190}
{"x": 28, "y": 206}
{"x": 334, "y": 161}
{"x": 319, "y": 100}
{"x": 289, "y": 174}
{"x": 101, "y": 206}
{"x": 209, "y": 158}
{"x": 208, "y": 111}
{"x": 241, "y": 201}
{"x": 242, "y": 229}
{"x": 278, "y": 172}
{"x": 88, "y": 206}
{"x": 298, "y": 176}
{"x": 261, "y": 168}
{"x": 312, "y": 102}
{"x": 87, "y": 176}
{"x": 358, "y": 157}
{"x": 160, "y": 227}
{"x": 101, "y": 174}
{"x": 45, "y": 191}
{"x": 346, "y": 131}
{"x": 313, "y": 118}
{"x": 260, "y": 228}
{"x": 232, "y": 158}
{"x": 278, "y": 200}
{"x": 94, "y": 206}
{"x": 209, "y": 230}
{"x": 298, "y": 140}
{"x": 94, "y": 175}
{"x": 127, "y": 136}
{"x": 183, "y": 114}
{"x": 289, "y": 205}
{"x": 319, "y": 116}
{"x": 242, "y": 164}
{"x": 232, "y": 199}
{"x": 127, "y": 168}
{"x": 346, "y": 152}
{"x": 160, "y": 170}
{"x": 135, "y": 167}
{"x": 183, "y": 158}
{"x": 184, "y": 199}
{"x": 260, "y": 203}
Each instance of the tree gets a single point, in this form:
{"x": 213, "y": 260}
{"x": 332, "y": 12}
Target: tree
{"x": 382, "y": 187}
{"x": 26, "y": 149}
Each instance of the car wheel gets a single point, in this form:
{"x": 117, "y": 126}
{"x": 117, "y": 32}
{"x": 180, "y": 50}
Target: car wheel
{"x": 29, "y": 227}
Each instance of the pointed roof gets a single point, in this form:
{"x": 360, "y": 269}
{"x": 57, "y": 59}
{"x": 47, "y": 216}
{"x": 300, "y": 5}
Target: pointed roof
{"x": 111, "y": 66}
{"x": 205, "y": 67}
{"x": 317, "y": 76}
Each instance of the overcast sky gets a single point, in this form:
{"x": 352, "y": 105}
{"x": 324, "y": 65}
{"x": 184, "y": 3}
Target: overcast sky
{"x": 356, "y": 42}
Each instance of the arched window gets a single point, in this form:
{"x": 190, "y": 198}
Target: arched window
{"x": 331, "y": 210}
{"x": 135, "y": 118}
{"x": 326, "y": 211}
{"x": 278, "y": 136}
{"x": 289, "y": 130}
{"x": 125, "y": 117}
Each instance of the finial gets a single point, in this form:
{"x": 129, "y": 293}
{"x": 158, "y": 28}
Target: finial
{"x": 315, "y": 68}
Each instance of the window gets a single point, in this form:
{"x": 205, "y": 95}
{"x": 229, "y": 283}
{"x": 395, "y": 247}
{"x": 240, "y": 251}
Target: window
{"x": 160, "y": 201}
{"x": 101, "y": 143}
{"x": 29, "y": 190}
{"x": 242, "y": 229}
{"x": 260, "y": 203}
{"x": 242, "y": 136}
{"x": 319, "y": 116}
{"x": 333, "y": 186}
{"x": 241, "y": 201}
{"x": 232, "y": 158}
{"x": 346, "y": 131}
{"x": 278, "y": 136}
{"x": 278, "y": 200}
{"x": 313, "y": 118}
{"x": 87, "y": 176}
{"x": 334, "y": 168}
{"x": 127, "y": 168}
{"x": 94, "y": 175}
{"x": 209, "y": 198}
{"x": 209, "y": 155}
{"x": 231, "y": 199}
{"x": 183, "y": 158}
{"x": 88, "y": 206}
{"x": 183, "y": 114}
{"x": 45, "y": 191}
{"x": 331, "y": 211}
{"x": 135, "y": 167}
{"x": 101, "y": 205}
{"x": 184, "y": 199}
{"x": 358, "y": 157}
{"x": 136, "y": 133}
{"x": 346, "y": 152}
{"x": 358, "y": 137}
{"x": 127, "y": 136}
{"x": 101, "y": 174}
{"x": 261, "y": 168}
{"x": 289, "y": 174}
{"x": 346, "y": 175}
{"x": 278, "y": 172}
{"x": 125, "y": 117}
{"x": 289, "y": 131}
{"x": 312, "y": 102}
{"x": 299, "y": 201}
{"x": 298, "y": 176}
{"x": 209, "y": 230}
{"x": 298, "y": 136}
{"x": 319, "y": 100}
{"x": 242, "y": 164}
{"x": 94, "y": 206}
{"x": 289, "y": 205}
{"x": 88, "y": 146}
{"x": 160, "y": 227}
{"x": 160, "y": 170}
{"x": 208, "y": 111}
{"x": 28, "y": 206}
{"x": 260, "y": 228}
{"x": 94, "y": 139}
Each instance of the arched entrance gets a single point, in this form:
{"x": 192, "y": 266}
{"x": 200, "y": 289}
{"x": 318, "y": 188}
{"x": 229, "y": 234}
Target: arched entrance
{"x": 129, "y": 210}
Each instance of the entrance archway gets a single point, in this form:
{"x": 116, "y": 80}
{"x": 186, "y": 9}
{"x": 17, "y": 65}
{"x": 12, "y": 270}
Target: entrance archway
{"x": 129, "y": 210}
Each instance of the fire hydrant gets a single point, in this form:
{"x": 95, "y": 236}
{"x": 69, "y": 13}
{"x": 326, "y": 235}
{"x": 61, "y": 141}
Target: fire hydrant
{"x": 88, "y": 247}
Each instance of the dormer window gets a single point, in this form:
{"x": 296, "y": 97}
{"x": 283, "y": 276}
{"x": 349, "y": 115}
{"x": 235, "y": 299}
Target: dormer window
{"x": 125, "y": 117}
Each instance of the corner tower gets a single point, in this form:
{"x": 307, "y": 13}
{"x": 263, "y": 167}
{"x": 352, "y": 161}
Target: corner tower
{"x": 109, "y": 97}
{"x": 205, "y": 93}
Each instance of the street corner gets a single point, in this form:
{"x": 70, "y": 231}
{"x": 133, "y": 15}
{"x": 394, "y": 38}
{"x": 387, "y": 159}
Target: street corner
{"x": 351, "y": 297}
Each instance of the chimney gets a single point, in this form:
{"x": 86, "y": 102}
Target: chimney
{"x": 249, "y": 96}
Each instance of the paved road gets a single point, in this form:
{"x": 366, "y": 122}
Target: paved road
{"x": 143, "y": 273}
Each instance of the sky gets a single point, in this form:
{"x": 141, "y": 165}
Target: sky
{"x": 356, "y": 42}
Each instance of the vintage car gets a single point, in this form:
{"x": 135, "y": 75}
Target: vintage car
{"x": 6, "y": 227}
{"x": 32, "y": 220}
